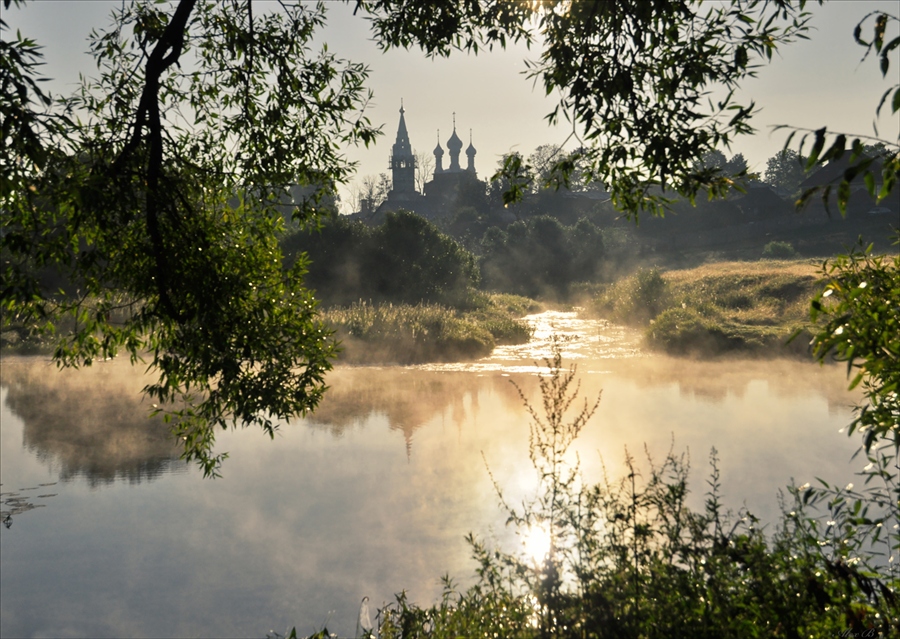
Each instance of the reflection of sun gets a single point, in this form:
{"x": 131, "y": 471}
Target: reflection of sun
{"x": 536, "y": 543}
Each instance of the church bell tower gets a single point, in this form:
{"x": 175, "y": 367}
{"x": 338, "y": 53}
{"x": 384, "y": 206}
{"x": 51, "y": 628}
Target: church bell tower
{"x": 403, "y": 162}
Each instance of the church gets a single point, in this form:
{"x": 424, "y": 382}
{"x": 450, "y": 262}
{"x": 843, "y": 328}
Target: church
{"x": 441, "y": 192}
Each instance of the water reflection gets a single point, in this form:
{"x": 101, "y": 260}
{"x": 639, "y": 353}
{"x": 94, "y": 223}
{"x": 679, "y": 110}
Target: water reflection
{"x": 88, "y": 423}
{"x": 371, "y": 494}
{"x": 406, "y": 398}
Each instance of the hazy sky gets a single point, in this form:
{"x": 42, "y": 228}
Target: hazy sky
{"x": 814, "y": 83}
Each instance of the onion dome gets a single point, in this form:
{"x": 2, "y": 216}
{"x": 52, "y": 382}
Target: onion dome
{"x": 454, "y": 143}
{"x": 438, "y": 150}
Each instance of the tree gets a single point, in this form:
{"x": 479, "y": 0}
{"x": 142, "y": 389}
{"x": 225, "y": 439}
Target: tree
{"x": 158, "y": 206}
{"x": 424, "y": 170}
{"x": 860, "y": 325}
{"x": 864, "y": 158}
{"x": 373, "y": 189}
{"x": 542, "y": 161}
{"x": 786, "y": 170}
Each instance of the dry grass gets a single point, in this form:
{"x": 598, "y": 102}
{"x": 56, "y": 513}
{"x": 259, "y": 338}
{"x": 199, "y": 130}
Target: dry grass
{"x": 749, "y": 307}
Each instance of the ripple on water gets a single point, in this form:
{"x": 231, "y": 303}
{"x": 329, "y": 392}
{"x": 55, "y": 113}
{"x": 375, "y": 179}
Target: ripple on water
{"x": 579, "y": 339}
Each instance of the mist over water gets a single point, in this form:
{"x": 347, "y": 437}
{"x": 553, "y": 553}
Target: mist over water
{"x": 370, "y": 495}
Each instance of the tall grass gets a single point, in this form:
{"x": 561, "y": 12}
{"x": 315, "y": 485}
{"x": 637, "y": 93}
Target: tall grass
{"x": 748, "y": 307}
{"x": 407, "y": 334}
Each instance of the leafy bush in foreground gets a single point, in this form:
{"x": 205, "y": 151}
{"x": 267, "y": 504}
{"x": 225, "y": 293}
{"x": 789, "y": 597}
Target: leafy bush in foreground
{"x": 859, "y": 310}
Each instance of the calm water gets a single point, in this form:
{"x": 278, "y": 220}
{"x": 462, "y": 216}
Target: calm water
{"x": 112, "y": 536}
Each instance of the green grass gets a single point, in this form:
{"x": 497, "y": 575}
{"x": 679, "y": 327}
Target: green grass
{"x": 410, "y": 334}
{"x": 743, "y": 307}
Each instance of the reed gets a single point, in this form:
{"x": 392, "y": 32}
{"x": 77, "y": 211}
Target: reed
{"x": 409, "y": 334}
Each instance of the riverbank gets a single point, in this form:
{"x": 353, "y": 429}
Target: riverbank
{"x": 413, "y": 334}
{"x": 744, "y": 308}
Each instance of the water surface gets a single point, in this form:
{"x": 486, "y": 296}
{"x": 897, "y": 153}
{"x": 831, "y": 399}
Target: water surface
{"x": 111, "y": 535}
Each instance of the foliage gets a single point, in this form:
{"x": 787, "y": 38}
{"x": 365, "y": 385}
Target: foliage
{"x": 371, "y": 192}
{"x": 779, "y": 250}
{"x": 163, "y": 236}
{"x": 633, "y": 77}
{"x": 635, "y": 300}
{"x": 879, "y": 171}
{"x": 406, "y": 334}
{"x": 540, "y": 256}
{"x": 413, "y": 261}
{"x": 859, "y": 315}
{"x": 786, "y": 170}
{"x": 406, "y": 259}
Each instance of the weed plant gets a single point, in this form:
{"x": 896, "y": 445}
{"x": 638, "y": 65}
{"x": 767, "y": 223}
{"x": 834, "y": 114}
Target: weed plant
{"x": 779, "y": 251}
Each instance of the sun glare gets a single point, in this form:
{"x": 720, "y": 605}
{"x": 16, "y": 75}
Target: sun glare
{"x": 536, "y": 543}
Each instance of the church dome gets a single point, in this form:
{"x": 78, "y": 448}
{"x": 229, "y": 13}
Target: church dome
{"x": 438, "y": 150}
{"x": 454, "y": 143}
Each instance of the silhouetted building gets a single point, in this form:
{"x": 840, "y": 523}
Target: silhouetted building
{"x": 403, "y": 162}
{"x": 442, "y": 192}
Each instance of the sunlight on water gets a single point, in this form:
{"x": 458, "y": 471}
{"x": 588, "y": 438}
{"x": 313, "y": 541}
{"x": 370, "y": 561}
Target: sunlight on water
{"x": 580, "y": 339}
{"x": 372, "y": 493}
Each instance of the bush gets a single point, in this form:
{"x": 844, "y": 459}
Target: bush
{"x": 410, "y": 334}
{"x": 778, "y": 251}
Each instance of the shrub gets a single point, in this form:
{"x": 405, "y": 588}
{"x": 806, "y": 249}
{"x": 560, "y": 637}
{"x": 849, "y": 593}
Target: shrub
{"x": 778, "y": 251}
{"x": 405, "y": 334}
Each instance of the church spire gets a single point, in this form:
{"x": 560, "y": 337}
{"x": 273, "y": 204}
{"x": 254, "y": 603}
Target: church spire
{"x": 403, "y": 162}
{"x": 470, "y": 154}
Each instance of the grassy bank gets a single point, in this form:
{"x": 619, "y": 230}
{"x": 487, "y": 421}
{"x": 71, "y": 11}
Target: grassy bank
{"x": 725, "y": 307}
{"x": 410, "y": 334}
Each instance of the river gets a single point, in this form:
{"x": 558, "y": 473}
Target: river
{"x": 110, "y": 535}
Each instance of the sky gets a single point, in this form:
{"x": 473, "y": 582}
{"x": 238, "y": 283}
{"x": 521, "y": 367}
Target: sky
{"x": 813, "y": 83}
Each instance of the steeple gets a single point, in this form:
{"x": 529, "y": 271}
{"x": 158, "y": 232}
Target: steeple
{"x": 470, "y": 154}
{"x": 403, "y": 162}
{"x": 438, "y": 155}
{"x": 454, "y": 145}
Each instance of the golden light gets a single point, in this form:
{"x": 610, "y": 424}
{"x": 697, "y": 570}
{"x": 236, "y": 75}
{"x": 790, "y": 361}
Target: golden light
{"x": 536, "y": 543}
